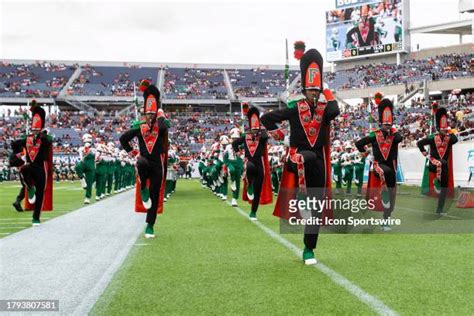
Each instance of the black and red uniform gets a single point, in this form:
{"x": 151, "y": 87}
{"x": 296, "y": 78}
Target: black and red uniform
{"x": 36, "y": 172}
{"x": 384, "y": 145}
{"x": 153, "y": 147}
{"x": 308, "y": 165}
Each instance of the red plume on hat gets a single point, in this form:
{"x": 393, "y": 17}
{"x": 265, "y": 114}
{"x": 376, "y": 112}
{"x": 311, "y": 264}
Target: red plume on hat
{"x": 144, "y": 84}
{"x": 245, "y": 108}
{"x": 378, "y": 97}
{"x": 300, "y": 47}
{"x": 434, "y": 107}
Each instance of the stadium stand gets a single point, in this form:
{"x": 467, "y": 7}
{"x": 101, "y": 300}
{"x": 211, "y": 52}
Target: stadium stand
{"x": 259, "y": 82}
{"x": 110, "y": 81}
{"x": 189, "y": 83}
{"x": 39, "y": 79}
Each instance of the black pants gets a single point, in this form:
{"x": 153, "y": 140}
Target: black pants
{"x": 21, "y": 194}
{"x": 443, "y": 182}
{"x": 153, "y": 171}
{"x": 255, "y": 174}
{"x": 390, "y": 175}
{"x": 35, "y": 175}
{"x": 315, "y": 177}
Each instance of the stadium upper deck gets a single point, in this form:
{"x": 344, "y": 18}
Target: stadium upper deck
{"x": 220, "y": 83}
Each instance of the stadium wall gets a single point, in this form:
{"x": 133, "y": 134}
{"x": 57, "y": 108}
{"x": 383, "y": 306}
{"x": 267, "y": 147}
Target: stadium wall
{"x": 413, "y": 164}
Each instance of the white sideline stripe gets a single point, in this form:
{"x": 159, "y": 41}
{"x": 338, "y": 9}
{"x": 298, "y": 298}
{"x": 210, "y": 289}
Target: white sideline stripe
{"x": 374, "y": 303}
{"x": 5, "y": 233}
{"x": 93, "y": 295}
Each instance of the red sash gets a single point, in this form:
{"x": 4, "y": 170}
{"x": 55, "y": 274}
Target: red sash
{"x": 311, "y": 125}
{"x": 32, "y": 148}
{"x": 385, "y": 144}
{"x": 252, "y": 144}
{"x": 149, "y": 137}
{"x": 441, "y": 145}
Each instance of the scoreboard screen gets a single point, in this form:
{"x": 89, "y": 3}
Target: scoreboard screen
{"x": 364, "y": 27}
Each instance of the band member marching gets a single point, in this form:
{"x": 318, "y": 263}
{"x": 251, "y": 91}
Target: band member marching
{"x": 85, "y": 167}
{"x": 151, "y": 164}
{"x": 257, "y": 186}
{"x": 17, "y": 160}
{"x": 235, "y": 166}
{"x": 37, "y": 172}
{"x": 347, "y": 164}
{"x": 336, "y": 165}
{"x": 382, "y": 182}
{"x": 440, "y": 159}
{"x": 308, "y": 168}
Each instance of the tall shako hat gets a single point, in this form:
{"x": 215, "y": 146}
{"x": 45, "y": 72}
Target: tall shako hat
{"x": 253, "y": 116}
{"x": 441, "y": 117}
{"x": 38, "y": 116}
{"x": 151, "y": 94}
{"x": 311, "y": 66}
{"x": 385, "y": 109}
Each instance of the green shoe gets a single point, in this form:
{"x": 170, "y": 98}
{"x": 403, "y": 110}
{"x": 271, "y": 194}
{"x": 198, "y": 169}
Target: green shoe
{"x": 250, "y": 192}
{"x": 36, "y": 222}
{"x": 32, "y": 195}
{"x": 149, "y": 231}
{"x": 145, "y": 195}
{"x": 385, "y": 199}
{"x": 308, "y": 257}
{"x": 253, "y": 216}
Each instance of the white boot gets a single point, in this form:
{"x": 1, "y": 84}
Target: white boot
{"x": 224, "y": 197}
{"x": 87, "y": 201}
{"x": 234, "y": 202}
{"x": 83, "y": 183}
{"x": 233, "y": 186}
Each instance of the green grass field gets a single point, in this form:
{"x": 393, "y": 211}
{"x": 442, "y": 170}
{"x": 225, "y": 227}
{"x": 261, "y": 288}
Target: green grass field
{"x": 208, "y": 259}
{"x": 67, "y": 197}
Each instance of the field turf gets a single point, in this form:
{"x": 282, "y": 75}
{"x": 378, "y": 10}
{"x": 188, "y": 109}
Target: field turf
{"x": 208, "y": 259}
{"x": 67, "y": 197}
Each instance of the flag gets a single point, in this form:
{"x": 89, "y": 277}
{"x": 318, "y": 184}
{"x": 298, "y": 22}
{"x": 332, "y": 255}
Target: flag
{"x": 287, "y": 74}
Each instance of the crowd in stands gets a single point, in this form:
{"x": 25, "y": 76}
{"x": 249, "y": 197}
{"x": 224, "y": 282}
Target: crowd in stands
{"x": 450, "y": 66}
{"x": 110, "y": 81}
{"x": 45, "y": 79}
{"x": 190, "y": 83}
{"x": 259, "y": 82}
{"x": 413, "y": 121}
{"x": 190, "y": 131}
{"x": 39, "y": 79}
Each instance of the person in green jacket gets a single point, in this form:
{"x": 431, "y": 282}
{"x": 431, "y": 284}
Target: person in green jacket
{"x": 235, "y": 165}
{"x": 348, "y": 167}
{"x": 336, "y": 165}
{"x": 85, "y": 167}
{"x": 110, "y": 168}
{"x": 100, "y": 172}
